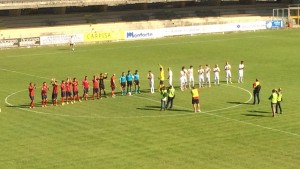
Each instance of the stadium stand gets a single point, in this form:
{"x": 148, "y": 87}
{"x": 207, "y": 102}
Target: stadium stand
{"x": 88, "y": 16}
{"x": 135, "y": 15}
{"x": 23, "y": 4}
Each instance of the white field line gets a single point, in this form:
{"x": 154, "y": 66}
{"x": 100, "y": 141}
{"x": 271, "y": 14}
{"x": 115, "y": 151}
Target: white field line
{"x": 135, "y": 46}
{"x": 12, "y": 71}
{"x": 161, "y": 116}
{"x": 128, "y": 117}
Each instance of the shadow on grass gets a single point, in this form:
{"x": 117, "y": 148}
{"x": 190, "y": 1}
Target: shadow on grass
{"x": 256, "y": 115}
{"x": 258, "y": 111}
{"x": 239, "y": 103}
{"x": 25, "y": 105}
{"x": 157, "y": 108}
{"x": 19, "y": 106}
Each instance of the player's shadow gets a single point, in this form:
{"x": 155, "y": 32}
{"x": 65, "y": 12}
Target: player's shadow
{"x": 256, "y": 113}
{"x": 19, "y": 106}
{"x": 149, "y": 108}
{"x": 25, "y": 105}
{"x": 239, "y": 103}
{"x": 158, "y": 108}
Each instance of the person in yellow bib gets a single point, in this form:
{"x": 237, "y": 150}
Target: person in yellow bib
{"x": 256, "y": 89}
{"x": 195, "y": 99}
{"x": 164, "y": 97}
{"x": 273, "y": 98}
{"x": 279, "y": 99}
{"x": 171, "y": 96}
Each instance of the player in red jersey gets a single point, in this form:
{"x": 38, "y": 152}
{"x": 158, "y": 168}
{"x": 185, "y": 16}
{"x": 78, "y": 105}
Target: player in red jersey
{"x": 44, "y": 88}
{"x": 63, "y": 92}
{"x": 54, "y": 92}
{"x": 68, "y": 91}
{"x": 31, "y": 88}
{"x": 113, "y": 85}
{"x": 85, "y": 85}
{"x": 95, "y": 87}
{"x": 75, "y": 90}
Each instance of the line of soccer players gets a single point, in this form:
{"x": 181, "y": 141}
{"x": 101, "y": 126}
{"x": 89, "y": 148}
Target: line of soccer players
{"x": 69, "y": 88}
{"x": 127, "y": 80}
{"x": 187, "y": 76}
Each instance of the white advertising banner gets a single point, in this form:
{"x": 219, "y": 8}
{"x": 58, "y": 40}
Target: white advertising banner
{"x": 60, "y": 39}
{"x": 247, "y": 26}
{"x": 231, "y": 27}
{"x": 142, "y": 34}
{"x": 184, "y": 30}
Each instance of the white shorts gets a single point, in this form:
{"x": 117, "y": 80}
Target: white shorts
{"x": 170, "y": 81}
{"x": 182, "y": 80}
{"x": 151, "y": 83}
{"x": 228, "y": 73}
{"x": 191, "y": 79}
{"x": 201, "y": 79}
{"x": 217, "y": 77}
{"x": 241, "y": 73}
{"x": 207, "y": 78}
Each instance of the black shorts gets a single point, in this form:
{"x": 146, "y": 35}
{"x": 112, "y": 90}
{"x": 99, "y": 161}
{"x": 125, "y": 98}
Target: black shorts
{"x": 195, "y": 101}
{"x": 75, "y": 93}
{"x": 123, "y": 84}
{"x": 54, "y": 96}
{"x": 129, "y": 83}
{"x": 63, "y": 94}
{"x": 95, "y": 90}
{"x": 101, "y": 86}
{"x": 68, "y": 93}
{"x": 44, "y": 96}
{"x": 161, "y": 82}
{"x": 136, "y": 82}
{"x": 31, "y": 97}
{"x": 86, "y": 90}
{"x": 113, "y": 87}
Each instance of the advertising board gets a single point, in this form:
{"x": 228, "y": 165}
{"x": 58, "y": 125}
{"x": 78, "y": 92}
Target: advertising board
{"x": 60, "y": 39}
{"x": 9, "y": 43}
{"x": 104, "y": 36}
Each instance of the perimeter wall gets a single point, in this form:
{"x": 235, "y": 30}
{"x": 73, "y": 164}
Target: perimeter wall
{"x": 26, "y": 37}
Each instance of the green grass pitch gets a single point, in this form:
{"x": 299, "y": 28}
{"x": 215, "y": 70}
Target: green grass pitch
{"x": 130, "y": 132}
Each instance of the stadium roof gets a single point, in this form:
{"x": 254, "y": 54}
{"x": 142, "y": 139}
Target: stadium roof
{"x": 25, "y": 4}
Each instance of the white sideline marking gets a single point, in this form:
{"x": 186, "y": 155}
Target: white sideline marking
{"x": 135, "y": 46}
{"x": 7, "y": 70}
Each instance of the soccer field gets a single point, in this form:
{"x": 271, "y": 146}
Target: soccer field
{"x": 131, "y": 131}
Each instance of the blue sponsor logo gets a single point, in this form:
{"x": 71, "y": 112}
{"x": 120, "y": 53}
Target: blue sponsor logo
{"x": 275, "y": 24}
{"x": 139, "y": 35}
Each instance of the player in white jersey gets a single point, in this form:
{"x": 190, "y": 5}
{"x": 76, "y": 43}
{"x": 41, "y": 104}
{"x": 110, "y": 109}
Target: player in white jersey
{"x": 170, "y": 76}
{"x": 72, "y": 43}
{"x": 217, "y": 74}
{"x": 241, "y": 72}
{"x": 207, "y": 75}
{"x": 182, "y": 79}
{"x": 151, "y": 81}
{"x": 228, "y": 72}
{"x": 201, "y": 76}
{"x": 185, "y": 77}
{"x": 190, "y": 73}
